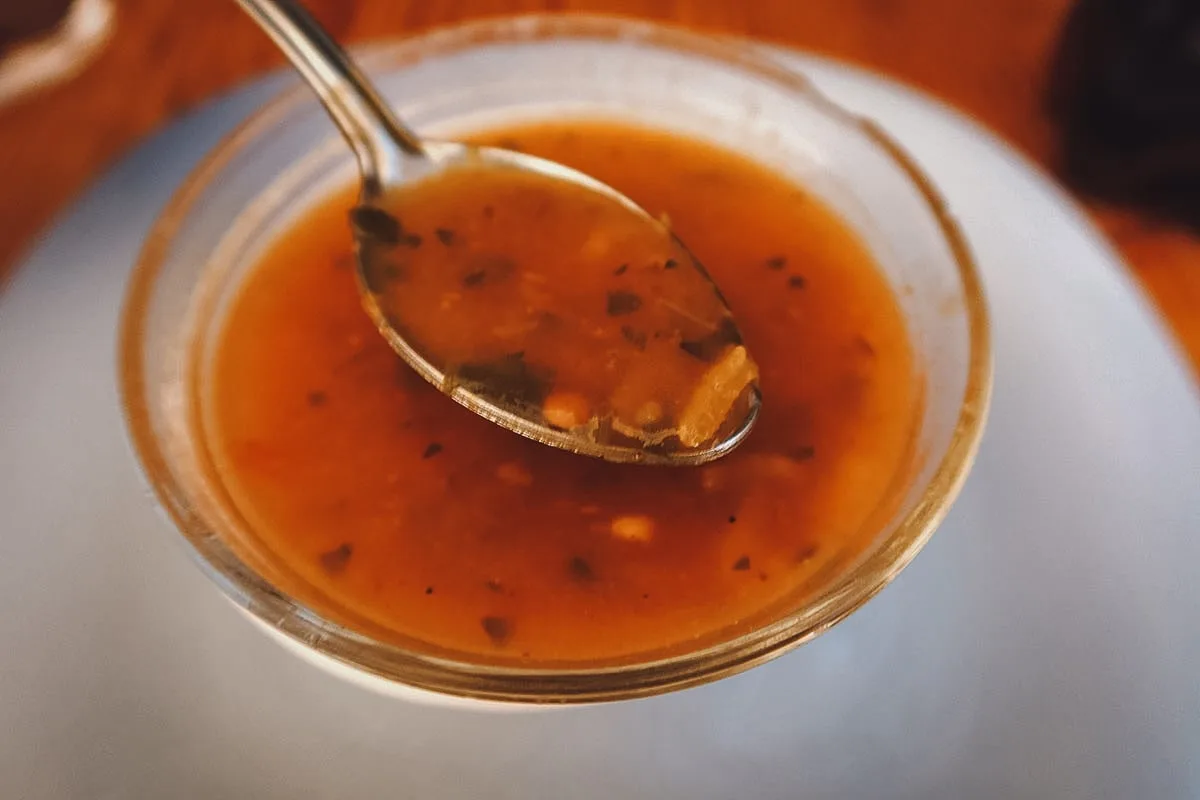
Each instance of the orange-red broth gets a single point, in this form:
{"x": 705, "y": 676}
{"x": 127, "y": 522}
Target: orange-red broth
{"x": 388, "y": 507}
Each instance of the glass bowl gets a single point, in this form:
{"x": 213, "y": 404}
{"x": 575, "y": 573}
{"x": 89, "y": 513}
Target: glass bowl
{"x": 287, "y": 156}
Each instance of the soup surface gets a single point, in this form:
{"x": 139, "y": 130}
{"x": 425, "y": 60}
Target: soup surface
{"x": 387, "y": 506}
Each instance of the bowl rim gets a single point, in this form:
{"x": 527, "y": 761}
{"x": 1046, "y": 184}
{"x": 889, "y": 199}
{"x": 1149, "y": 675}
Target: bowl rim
{"x": 847, "y": 593}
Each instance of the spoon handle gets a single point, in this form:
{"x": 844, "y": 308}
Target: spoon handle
{"x": 363, "y": 117}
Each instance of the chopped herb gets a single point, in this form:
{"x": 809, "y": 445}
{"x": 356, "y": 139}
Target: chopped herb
{"x": 621, "y": 269}
{"x": 621, "y": 303}
{"x": 581, "y": 570}
{"x": 508, "y": 380}
{"x": 494, "y": 585}
{"x": 742, "y": 564}
{"x": 445, "y": 236}
{"x": 797, "y": 282}
{"x": 804, "y": 452}
{"x": 732, "y": 519}
{"x": 316, "y": 398}
{"x": 334, "y": 560}
{"x": 670, "y": 263}
{"x": 376, "y": 224}
{"x": 776, "y": 262}
{"x": 497, "y": 629}
{"x": 634, "y": 337}
{"x": 709, "y": 348}
{"x": 432, "y": 450}
{"x": 428, "y": 590}
{"x": 488, "y": 269}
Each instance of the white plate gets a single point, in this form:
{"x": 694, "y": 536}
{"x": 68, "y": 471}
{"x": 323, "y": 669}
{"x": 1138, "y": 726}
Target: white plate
{"x": 1045, "y": 644}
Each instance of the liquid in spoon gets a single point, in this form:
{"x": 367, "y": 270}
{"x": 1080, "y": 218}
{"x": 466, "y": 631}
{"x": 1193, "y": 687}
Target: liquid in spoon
{"x": 560, "y": 304}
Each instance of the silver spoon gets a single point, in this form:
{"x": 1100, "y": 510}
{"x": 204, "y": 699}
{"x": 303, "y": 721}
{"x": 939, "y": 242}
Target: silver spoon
{"x": 390, "y": 157}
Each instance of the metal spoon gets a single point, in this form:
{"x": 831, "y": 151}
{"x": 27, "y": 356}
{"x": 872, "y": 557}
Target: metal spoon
{"x": 391, "y": 157}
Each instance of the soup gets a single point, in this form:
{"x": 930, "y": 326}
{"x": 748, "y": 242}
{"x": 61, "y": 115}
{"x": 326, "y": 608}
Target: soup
{"x": 387, "y": 506}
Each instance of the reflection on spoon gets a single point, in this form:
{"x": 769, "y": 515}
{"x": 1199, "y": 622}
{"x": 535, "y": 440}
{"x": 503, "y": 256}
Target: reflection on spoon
{"x": 533, "y": 295}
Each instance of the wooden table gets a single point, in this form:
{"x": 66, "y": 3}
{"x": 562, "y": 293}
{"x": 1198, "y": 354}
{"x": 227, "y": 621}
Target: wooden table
{"x": 988, "y": 57}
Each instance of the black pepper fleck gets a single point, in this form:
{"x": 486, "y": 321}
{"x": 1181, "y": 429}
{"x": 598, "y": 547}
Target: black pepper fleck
{"x": 432, "y": 450}
{"x": 670, "y": 264}
{"x": 804, "y": 452}
{"x": 776, "y": 262}
{"x": 316, "y": 398}
{"x": 732, "y": 519}
{"x": 445, "y": 236}
{"x": 621, "y": 269}
{"x": 742, "y": 564}
{"x": 797, "y": 282}
{"x": 428, "y": 590}
{"x": 581, "y": 569}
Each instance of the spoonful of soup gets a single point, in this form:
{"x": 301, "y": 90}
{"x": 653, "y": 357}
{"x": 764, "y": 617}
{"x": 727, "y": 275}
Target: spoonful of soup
{"x": 530, "y": 293}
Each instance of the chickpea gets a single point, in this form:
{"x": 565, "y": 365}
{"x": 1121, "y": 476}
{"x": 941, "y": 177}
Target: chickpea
{"x": 566, "y": 410}
{"x": 633, "y": 528}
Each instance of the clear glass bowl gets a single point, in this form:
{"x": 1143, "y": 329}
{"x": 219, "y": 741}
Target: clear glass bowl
{"x": 287, "y": 156}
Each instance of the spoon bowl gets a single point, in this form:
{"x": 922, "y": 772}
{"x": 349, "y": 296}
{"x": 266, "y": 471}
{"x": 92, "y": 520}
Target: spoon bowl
{"x": 690, "y": 398}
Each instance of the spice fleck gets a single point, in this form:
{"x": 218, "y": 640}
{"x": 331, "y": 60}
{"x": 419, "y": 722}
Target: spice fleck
{"x": 498, "y": 629}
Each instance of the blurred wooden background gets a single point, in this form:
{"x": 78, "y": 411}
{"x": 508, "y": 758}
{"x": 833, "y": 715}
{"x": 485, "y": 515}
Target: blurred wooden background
{"x": 987, "y": 57}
